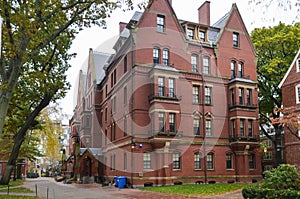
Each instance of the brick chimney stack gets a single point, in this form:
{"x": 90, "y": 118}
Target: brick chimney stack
{"x": 204, "y": 13}
{"x": 122, "y": 25}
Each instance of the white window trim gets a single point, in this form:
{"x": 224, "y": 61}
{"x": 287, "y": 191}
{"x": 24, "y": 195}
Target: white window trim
{"x": 297, "y": 94}
{"x": 298, "y": 65}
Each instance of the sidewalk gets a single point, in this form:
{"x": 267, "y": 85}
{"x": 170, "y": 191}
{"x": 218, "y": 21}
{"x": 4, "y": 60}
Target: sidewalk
{"x": 48, "y": 188}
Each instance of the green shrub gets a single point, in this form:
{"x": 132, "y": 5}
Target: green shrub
{"x": 261, "y": 193}
{"x": 282, "y": 182}
{"x": 284, "y": 176}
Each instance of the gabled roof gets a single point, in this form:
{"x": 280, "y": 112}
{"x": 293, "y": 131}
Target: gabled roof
{"x": 95, "y": 152}
{"x": 290, "y": 68}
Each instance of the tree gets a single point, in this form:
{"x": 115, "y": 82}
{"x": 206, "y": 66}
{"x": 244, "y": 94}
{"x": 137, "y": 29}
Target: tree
{"x": 276, "y": 47}
{"x": 36, "y": 37}
{"x": 290, "y": 119}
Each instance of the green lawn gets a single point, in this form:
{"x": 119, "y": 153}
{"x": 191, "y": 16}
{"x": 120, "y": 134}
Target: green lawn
{"x": 197, "y": 189}
{"x": 17, "y": 190}
{"x": 13, "y": 183}
{"x": 16, "y": 197}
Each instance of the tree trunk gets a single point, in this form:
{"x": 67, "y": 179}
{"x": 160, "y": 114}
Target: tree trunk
{"x": 11, "y": 164}
{"x": 20, "y": 137}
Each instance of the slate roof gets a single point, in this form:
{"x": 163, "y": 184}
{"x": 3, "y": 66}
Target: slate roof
{"x": 100, "y": 59}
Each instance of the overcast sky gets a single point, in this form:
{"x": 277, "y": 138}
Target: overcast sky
{"x": 99, "y": 38}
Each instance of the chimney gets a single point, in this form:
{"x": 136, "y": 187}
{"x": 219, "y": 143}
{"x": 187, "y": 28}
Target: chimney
{"x": 204, "y": 13}
{"x": 122, "y": 25}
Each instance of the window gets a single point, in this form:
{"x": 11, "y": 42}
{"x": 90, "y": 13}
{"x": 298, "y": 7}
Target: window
{"x": 235, "y": 38}
{"x": 298, "y": 94}
{"x": 233, "y": 128}
{"x": 250, "y": 128}
{"x": 166, "y": 57}
{"x": 201, "y": 36}
{"x": 196, "y": 125}
{"x": 125, "y": 161}
{"x": 197, "y": 161}
{"x": 242, "y": 128}
{"x": 172, "y": 122}
{"x": 249, "y": 96}
{"x": 298, "y": 65}
{"x": 208, "y": 129}
{"x": 232, "y": 68}
{"x": 125, "y": 95}
{"x": 160, "y": 23}
{"x": 267, "y": 143}
{"x": 210, "y": 161}
{"x": 207, "y": 95}
{"x": 232, "y": 96}
{"x": 228, "y": 161}
{"x": 105, "y": 115}
{"x": 161, "y": 86}
{"x": 194, "y": 61}
{"x": 206, "y": 67}
{"x": 114, "y": 104}
{"x": 240, "y": 69}
{"x": 190, "y": 33}
{"x": 125, "y": 64}
{"x": 196, "y": 95}
{"x": 176, "y": 160}
{"x": 113, "y": 162}
{"x": 147, "y": 160}
{"x": 251, "y": 161}
{"x": 171, "y": 92}
{"x": 125, "y": 126}
{"x": 156, "y": 55}
{"x": 241, "y": 96}
{"x": 268, "y": 155}
{"x": 161, "y": 121}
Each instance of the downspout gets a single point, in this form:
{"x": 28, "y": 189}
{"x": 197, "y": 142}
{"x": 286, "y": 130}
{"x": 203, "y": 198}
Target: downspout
{"x": 203, "y": 117}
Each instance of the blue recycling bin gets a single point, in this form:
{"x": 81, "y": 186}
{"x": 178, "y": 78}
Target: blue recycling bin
{"x": 122, "y": 182}
{"x": 116, "y": 180}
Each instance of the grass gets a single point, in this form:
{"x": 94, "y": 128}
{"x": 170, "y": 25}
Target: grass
{"x": 13, "y": 183}
{"x": 197, "y": 189}
{"x": 17, "y": 197}
{"x": 17, "y": 190}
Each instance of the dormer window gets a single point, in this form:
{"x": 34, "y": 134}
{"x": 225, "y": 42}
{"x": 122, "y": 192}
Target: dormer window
{"x": 160, "y": 23}
{"x": 190, "y": 33}
{"x": 202, "y": 36}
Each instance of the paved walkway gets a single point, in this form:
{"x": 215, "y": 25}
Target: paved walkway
{"x": 47, "y": 188}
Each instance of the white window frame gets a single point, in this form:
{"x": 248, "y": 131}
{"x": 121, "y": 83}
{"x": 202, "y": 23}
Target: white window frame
{"x": 298, "y": 65}
{"x": 147, "y": 161}
{"x": 297, "y": 90}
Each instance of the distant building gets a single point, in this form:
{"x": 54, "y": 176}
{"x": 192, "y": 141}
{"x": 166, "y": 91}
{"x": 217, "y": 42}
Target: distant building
{"x": 290, "y": 87}
{"x": 178, "y": 101}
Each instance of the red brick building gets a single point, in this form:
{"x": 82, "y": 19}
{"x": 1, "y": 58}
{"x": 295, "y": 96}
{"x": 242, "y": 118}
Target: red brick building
{"x": 84, "y": 161}
{"x": 178, "y": 102}
{"x": 290, "y": 87}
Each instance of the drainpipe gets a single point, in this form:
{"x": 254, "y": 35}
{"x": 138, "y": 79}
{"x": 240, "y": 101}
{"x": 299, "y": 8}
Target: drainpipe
{"x": 203, "y": 118}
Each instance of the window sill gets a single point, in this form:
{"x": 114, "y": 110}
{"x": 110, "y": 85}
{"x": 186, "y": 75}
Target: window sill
{"x": 229, "y": 169}
{"x": 197, "y": 169}
{"x": 148, "y": 170}
{"x": 176, "y": 169}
